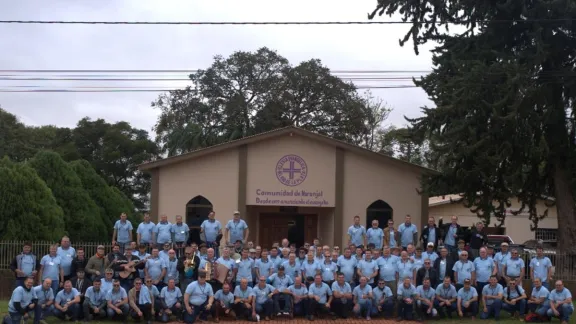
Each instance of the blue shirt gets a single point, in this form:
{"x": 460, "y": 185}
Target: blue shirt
{"x": 145, "y": 297}
{"x": 418, "y": 262}
{"x": 425, "y": 293}
{"x": 43, "y": 295}
{"x": 51, "y": 267}
{"x": 484, "y": 268}
{"x": 163, "y": 232}
{"x": 276, "y": 261}
{"x": 466, "y": 295}
{"x": 310, "y": 269}
{"x": 236, "y": 229}
{"x": 560, "y": 296}
{"x": 115, "y": 296}
{"x": 357, "y": 233}
{"x": 280, "y": 283}
{"x": 514, "y": 267}
{"x": 450, "y": 239}
{"x": 345, "y": 289}
{"x": 145, "y": 230}
{"x": 292, "y": 270}
{"x": 380, "y": 294}
{"x": 492, "y": 291}
{"x": 367, "y": 268}
{"x": 23, "y": 296}
{"x": 172, "y": 271}
{"x": 360, "y": 293}
{"x": 211, "y": 229}
{"x": 405, "y": 292}
{"x": 264, "y": 267}
{"x": 405, "y": 269}
{"x": 226, "y": 299}
{"x": 375, "y": 236}
{"x": 180, "y": 232}
{"x": 347, "y": 266}
{"x": 106, "y": 285}
{"x": 392, "y": 242}
{"x": 123, "y": 230}
{"x": 302, "y": 291}
{"x": 155, "y": 267}
{"x": 464, "y": 270}
{"x": 443, "y": 264}
{"x": 244, "y": 269}
{"x": 62, "y": 297}
{"x": 387, "y": 267}
{"x": 329, "y": 271}
{"x": 446, "y": 293}
{"x": 243, "y": 294}
{"x": 27, "y": 264}
{"x": 66, "y": 257}
{"x": 513, "y": 293}
{"x": 262, "y": 293}
{"x": 501, "y": 259}
{"x": 95, "y": 298}
{"x": 198, "y": 293}
{"x": 322, "y": 291}
{"x": 540, "y": 267}
{"x": 431, "y": 235}
{"x": 229, "y": 262}
{"x": 407, "y": 233}
{"x": 432, "y": 256}
{"x": 540, "y": 293}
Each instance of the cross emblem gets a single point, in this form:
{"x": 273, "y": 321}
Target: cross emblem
{"x": 291, "y": 170}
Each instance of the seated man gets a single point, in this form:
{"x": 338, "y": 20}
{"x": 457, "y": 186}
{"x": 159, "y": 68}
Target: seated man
{"x": 362, "y": 299}
{"x": 224, "y": 300}
{"x": 299, "y": 294}
{"x": 94, "y": 302}
{"x": 243, "y": 298}
{"x": 446, "y": 298}
{"x": 343, "y": 300}
{"x": 425, "y": 296}
{"x": 171, "y": 302}
{"x": 467, "y": 300}
{"x": 561, "y": 303}
{"x": 141, "y": 302}
{"x": 117, "y": 302}
{"x": 383, "y": 300}
{"x": 492, "y": 299}
{"x": 263, "y": 304}
{"x": 405, "y": 294}
{"x": 45, "y": 299}
{"x": 22, "y": 302}
{"x": 514, "y": 299}
{"x": 320, "y": 298}
{"x": 280, "y": 281}
{"x": 198, "y": 299}
{"x": 538, "y": 302}
{"x": 67, "y": 302}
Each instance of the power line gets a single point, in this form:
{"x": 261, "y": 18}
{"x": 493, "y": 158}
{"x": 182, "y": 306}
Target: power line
{"x": 194, "y": 71}
{"x": 178, "y": 79}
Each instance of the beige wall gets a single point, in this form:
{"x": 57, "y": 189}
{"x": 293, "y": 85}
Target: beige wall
{"x": 215, "y": 177}
{"x": 366, "y": 181}
{"x": 263, "y": 158}
{"x": 517, "y": 226}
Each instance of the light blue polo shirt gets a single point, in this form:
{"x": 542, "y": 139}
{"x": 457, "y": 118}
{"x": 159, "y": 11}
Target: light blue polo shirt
{"x": 431, "y": 235}
{"x": 484, "y": 268}
{"x": 66, "y": 258}
{"x": 418, "y": 262}
{"x": 392, "y": 242}
{"x": 449, "y": 239}
{"x": 513, "y": 293}
{"x": 144, "y": 297}
{"x": 51, "y": 267}
{"x": 464, "y": 270}
{"x": 359, "y": 293}
{"x": 446, "y": 293}
{"x": 62, "y": 297}
{"x": 43, "y": 295}
{"x": 310, "y": 269}
{"x": 236, "y": 229}
{"x": 198, "y": 293}
{"x": 540, "y": 267}
{"x": 322, "y": 291}
{"x": 280, "y": 283}
{"x": 123, "y": 230}
{"x": 145, "y": 230}
{"x": 492, "y": 291}
{"x": 163, "y": 232}
{"x": 107, "y": 285}
{"x": 226, "y": 299}
{"x": 302, "y": 291}
{"x": 243, "y": 294}
{"x": 347, "y": 266}
{"x": 276, "y": 262}
{"x": 262, "y": 293}
{"x": 375, "y": 236}
{"x": 514, "y": 267}
{"x": 560, "y": 296}
{"x": 115, "y": 296}
{"x": 94, "y": 297}
{"x": 329, "y": 270}
{"x": 171, "y": 271}
{"x": 380, "y": 294}
{"x": 292, "y": 270}
{"x": 357, "y": 233}
{"x": 466, "y": 295}
{"x": 345, "y": 289}
{"x": 387, "y": 266}
{"x": 407, "y": 233}
{"x": 180, "y": 232}
{"x": 155, "y": 267}
{"x": 405, "y": 292}
{"x": 367, "y": 268}
{"x": 429, "y": 256}
{"x": 211, "y": 229}
{"x": 405, "y": 269}
{"x": 501, "y": 259}
{"x": 425, "y": 293}
{"x": 244, "y": 269}
{"x": 23, "y": 296}
{"x": 264, "y": 266}
{"x": 541, "y": 293}
{"x": 28, "y": 264}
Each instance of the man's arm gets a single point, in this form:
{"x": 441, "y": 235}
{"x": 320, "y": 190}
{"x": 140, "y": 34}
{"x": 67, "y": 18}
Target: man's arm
{"x": 246, "y": 233}
{"x": 114, "y": 235}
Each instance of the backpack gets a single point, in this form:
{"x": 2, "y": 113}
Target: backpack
{"x": 534, "y": 318}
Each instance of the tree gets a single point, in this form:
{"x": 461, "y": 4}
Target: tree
{"x": 249, "y": 93}
{"x": 111, "y": 203}
{"x": 81, "y": 215}
{"x": 504, "y": 100}
{"x": 14, "y": 139}
{"x": 28, "y": 211}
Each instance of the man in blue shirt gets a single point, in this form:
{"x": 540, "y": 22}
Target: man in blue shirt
{"x": 263, "y": 294}
{"x": 464, "y": 269}
{"x": 22, "y": 302}
{"x": 67, "y": 302}
{"x": 541, "y": 268}
{"x": 198, "y": 299}
{"x": 122, "y": 232}
{"x": 430, "y": 233}
{"x": 224, "y": 299}
{"x": 514, "y": 299}
{"x": 94, "y": 302}
{"x": 383, "y": 300}
{"x": 243, "y": 298}
{"x": 538, "y": 302}
{"x": 408, "y": 233}
{"x": 45, "y": 299}
{"x": 25, "y": 264}
{"x": 299, "y": 294}
{"x": 163, "y": 232}
{"x": 363, "y": 299}
{"x": 180, "y": 235}
{"x": 467, "y": 300}
{"x": 375, "y": 235}
{"x": 514, "y": 268}
{"x": 561, "y": 303}
{"x": 117, "y": 302}
{"x": 356, "y": 233}
{"x": 446, "y": 298}
{"x": 236, "y": 229}
{"x": 171, "y": 299}
{"x": 485, "y": 268}
{"x": 212, "y": 230}
{"x": 141, "y": 302}
{"x": 145, "y": 232}
{"x": 320, "y": 296}
{"x": 425, "y": 296}
{"x": 451, "y": 234}
{"x": 492, "y": 299}
{"x": 406, "y": 293}
{"x": 280, "y": 281}
{"x": 343, "y": 300}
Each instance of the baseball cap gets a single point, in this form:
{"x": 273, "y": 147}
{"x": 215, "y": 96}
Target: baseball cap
{"x": 430, "y": 244}
{"x": 236, "y": 212}
{"x": 100, "y": 247}
{"x": 504, "y": 244}
{"x": 252, "y": 250}
{"x": 467, "y": 281}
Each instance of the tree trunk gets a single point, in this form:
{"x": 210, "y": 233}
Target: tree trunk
{"x": 565, "y": 209}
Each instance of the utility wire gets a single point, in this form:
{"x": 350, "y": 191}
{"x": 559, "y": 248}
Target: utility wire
{"x": 195, "y": 71}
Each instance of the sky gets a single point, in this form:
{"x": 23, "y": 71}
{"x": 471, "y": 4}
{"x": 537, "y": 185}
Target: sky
{"x": 110, "y": 47}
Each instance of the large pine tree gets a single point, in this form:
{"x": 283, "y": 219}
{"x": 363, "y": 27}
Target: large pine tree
{"x": 504, "y": 86}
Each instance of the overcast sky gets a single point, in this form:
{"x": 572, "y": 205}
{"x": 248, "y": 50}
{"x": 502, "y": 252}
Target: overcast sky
{"x": 348, "y": 47}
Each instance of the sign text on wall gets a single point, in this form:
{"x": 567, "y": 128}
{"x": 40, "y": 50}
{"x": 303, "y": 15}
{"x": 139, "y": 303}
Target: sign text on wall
{"x": 291, "y": 197}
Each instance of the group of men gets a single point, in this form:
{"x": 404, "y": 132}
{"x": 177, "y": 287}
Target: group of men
{"x": 381, "y": 272}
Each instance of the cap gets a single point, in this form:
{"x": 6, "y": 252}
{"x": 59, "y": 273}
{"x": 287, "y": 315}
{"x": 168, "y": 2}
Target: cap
{"x": 252, "y": 250}
{"x": 281, "y": 267}
{"x": 109, "y": 270}
{"x": 430, "y": 244}
{"x": 467, "y": 281}
{"x": 236, "y": 212}
{"x": 100, "y": 247}
{"x": 504, "y": 244}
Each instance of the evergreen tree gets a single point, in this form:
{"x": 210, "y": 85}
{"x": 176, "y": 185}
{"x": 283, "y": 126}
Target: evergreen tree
{"x": 81, "y": 215}
{"x": 28, "y": 210}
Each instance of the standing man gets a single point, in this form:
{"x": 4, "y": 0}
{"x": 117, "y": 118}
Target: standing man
{"x": 181, "y": 233}
{"x": 163, "y": 232}
{"x": 122, "y": 232}
{"x": 357, "y": 233}
{"x": 236, "y": 229}
{"x": 430, "y": 233}
{"x": 408, "y": 233}
{"x": 391, "y": 235}
{"x": 541, "y": 268}
{"x": 464, "y": 270}
{"x": 25, "y": 265}
{"x": 451, "y": 233}
{"x": 212, "y": 230}
{"x": 67, "y": 255}
{"x": 375, "y": 235}
{"x": 145, "y": 232}
{"x": 50, "y": 268}
{"x": 478, "y": 239}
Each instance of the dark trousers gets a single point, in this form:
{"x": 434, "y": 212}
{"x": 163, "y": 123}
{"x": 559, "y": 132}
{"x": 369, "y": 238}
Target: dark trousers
{"x": 386, "y": 308}
{"x": 127, "y": 284}
{"x": 519, "y": 307}
{"x": 405, "y": 311}
{"x": 145, "y": 309}
{"x": 88, "y": 310}
{"x": 301, "y": 308}
{"x": 216, "y": 285}
{"x": 179, "y": 249}
{"x": 479, "y": 287}
{"x": 317, "y": 308}
{"x": 445, "y": 310}
{"x": 242, "y": 311}
{"x": 472, "y": 309}
{"x": 265, "y": 309}
{"x": 219, "y": 309}
{"x": 165, "y": 317}
{"x": 282, "y": 297}
{"x": 15, "y": 318}
{"x": 73, "y": 311}
{"x": 342, "y": 307}
{"x": 492, "y": 310}
{"x": 197, "y": 311}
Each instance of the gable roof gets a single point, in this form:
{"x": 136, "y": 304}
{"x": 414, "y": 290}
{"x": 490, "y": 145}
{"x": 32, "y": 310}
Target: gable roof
{"x": 289, "y": 130}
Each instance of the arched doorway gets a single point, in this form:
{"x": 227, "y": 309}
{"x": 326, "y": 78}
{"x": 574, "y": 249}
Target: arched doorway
{"x": 197, "y": 210}
{"x": 379, "y": 210}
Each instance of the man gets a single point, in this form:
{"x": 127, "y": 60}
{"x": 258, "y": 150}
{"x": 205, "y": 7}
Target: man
{"x": 561, "y": 303}
{"x": 310, "y": 268}
{"x": 117, "y": 302}
{"x": 67, "y": 303}
{"x": 67, "y": 254}
{"x": 343, "y": 301}
{"x": 430, "y": 253}
{"x": 405, "y": 268}
{"x": 141, "y": 302}
{"x": 444, "y": 264}
{"x": 391, "y": 236}
{"x": 501, "y": 258}
{"x": 210, "y": 263}
{"x": 425, "y": 297}
{"x": 45, "y": 301}
{"x": 224, "y": 300}
{"x": 387, "y": 269}
{"x": 243, "y": 268}
{"x": 367, "y": 268}
{"x": 382, "y": 300}
{"x": 171, "y": 301}
{"x": 236, "y": 229}
{"x": 50, "y": 268}
{"x": 212, "y": 230}
{"x": 320, "y": 296}
{"x": 467, "y": 300}
{"x": 541, "y": 268}
{"x": 94, "y": 302}
{"x": 362, "y": 299}
{"x": 180, "y": 235}
{"x": 408, "y": 232}
{"x": 514, "y": 268}
{"x": 464, "y": 270}
{"x": 292, "y": 267}
{"x": 446, "y": 298}
{"x": 450, "y": 234}
{"x": 22, "y": 302}
{"x": 427, "y": 272}
{"x": 406, "y": 293}
{"x": 163, "y": 232}
{"x": 229, "y": 262}
{"x": 485, "y": 268}
{"x": 430, "y": 233}
{"x": 538, "y": 302}
{"x": 25, "y": 265}
{"x": 329, "y": 269}
{"x": 275, "y": 258}
{"x": 107, "y": 281}
{"x": 492, "y": 299}
{"x": 198, "y": 299}
{"x": 127, "y": 267}
{"x": 155, "y": 269}
{"x": 478, "y": 238}
{"x": 122, "y": 234}
{"x": 357, "y": 233}
{"x": 299, "y": 294}
{"x": 188, "y": 266}
{"x": 80, "y": 261}
{"x": 172, "y": 268}
{"x": 514, "y": 299}
{"x": 280, "y": 281}
{"x": 263, "y": 304}
{"x": 81, "y": 284}
{"x": 97, "y": 263}
{"x": 145, "y": 232}
{"x": 243, "y": 299}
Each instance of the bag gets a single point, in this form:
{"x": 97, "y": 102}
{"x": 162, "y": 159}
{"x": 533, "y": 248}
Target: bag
{"x": 534, "y": 318}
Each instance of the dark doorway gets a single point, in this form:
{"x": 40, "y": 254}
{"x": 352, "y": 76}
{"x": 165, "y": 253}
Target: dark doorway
{"x": 297, "y": 228}
{"x": 379, "y": 210}
{"x": 197, "y": 210}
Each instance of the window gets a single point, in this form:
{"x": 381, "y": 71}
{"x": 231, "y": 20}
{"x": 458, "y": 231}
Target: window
{"x": 547, "y": 234}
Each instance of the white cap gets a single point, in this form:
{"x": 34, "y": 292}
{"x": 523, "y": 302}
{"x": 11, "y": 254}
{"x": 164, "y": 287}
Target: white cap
{"x": 430, "y": 244}
{"x": 236, "y": 212}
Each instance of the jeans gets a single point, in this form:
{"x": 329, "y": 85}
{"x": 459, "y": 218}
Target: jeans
{"x": 42, "y": 313}
{"x": 492, "y": 310}
{"x": 472, "y": 308}
{"x": 112, "y": 313}
{"x": 265, "y": 308}
{"x": 15, "y": 318}
{"x": 519, "y": 307}
{"x": 342, "y": 306}
{"x": 363, "y": 307}
{"x": 565, "y": 312}
{"x": 539, "y": 309}
{"x": 405, "y": 311}
{"x": 301, "y": 308}
{"x": 176, "y": 311}
{"x": 287, "y": 302}
{"x": 197, "y": 311}
{"x": 387, "y": 308}
{"x": 73, "y": 311}
{"x": 55, "y": 287}
{"x": 479, "y": 287}
{"x": 445, "y": 310}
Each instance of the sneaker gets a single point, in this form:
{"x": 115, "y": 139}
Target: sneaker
{"x": 286, "y": 313}
{"x": 368, "y": 318}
